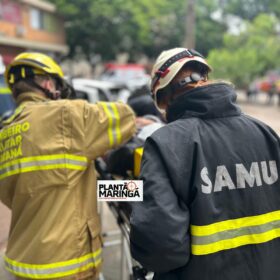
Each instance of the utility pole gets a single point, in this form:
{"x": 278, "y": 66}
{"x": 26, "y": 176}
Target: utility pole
{"x": 189, "y": 41}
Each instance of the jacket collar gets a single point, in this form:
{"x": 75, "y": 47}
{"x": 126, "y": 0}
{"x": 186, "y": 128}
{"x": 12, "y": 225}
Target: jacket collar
{"x": 21, "y": 101}
{"x": 215, "y": 100}
{"x": 30, "y": 97}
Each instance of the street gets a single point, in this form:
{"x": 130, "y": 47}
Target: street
{"x": 270, "y": 114}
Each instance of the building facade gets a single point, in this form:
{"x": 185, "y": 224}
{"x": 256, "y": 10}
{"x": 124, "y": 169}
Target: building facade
{"x": 30, "y": 25}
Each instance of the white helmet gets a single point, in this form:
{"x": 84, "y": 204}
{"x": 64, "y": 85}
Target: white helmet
{"x": 169, "y": 63}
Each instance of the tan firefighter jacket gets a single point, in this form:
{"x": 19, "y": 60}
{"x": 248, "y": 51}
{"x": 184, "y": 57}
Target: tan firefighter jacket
{"x": 48, "y": 180}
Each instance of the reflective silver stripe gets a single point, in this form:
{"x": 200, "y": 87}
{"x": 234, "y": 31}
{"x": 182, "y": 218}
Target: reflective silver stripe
{"x": 114, "y": 123}
{"x": 229, "y": 234}
{"x": 114, "y": 132}
{"x": 233, "y": 233}
{"x": 46, "y": 162}
{"x": 54, "y": 270}
{"x": 21, "y": 165}
{"x": 50, "y": 271}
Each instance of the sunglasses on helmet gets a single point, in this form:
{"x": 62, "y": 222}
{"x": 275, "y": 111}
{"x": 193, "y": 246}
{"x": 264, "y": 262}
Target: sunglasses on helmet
{"x": 163, "y": 70}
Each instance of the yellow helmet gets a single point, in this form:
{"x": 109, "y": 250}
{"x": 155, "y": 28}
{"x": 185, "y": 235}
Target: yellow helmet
{"x": 31, "y": 63}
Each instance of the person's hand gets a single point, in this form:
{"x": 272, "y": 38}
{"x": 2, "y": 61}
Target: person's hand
{"x": 141, "y": 122}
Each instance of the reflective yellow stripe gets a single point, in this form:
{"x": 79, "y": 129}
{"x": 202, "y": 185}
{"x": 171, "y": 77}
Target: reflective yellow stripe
{"x": 57, "y": 264}
{"x": 61, "y": 274}
{"x": 12, "y": 79}
{"x": 138, "y": 153}
{"x": 5, "y": 91}
{"x": 22, "y": 72}
{"x": 54, "y": 270}
{"x": 235, "y": 223}
{"x": 235, "y": 233}
{"x": 235, "y": 242}
{"x": 46, "y": 162}
{"x": 43, "y": 158}
{"x": 110, "y": 132}
{"x": 118, "y": 131}
{"x": 37, "y": 168}
{"x": 114, "y": 133}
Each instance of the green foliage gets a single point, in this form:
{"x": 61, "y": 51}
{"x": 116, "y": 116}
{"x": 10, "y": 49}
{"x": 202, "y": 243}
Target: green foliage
{"x": 249, "y": 9}
{"x": 249, "y": 54}
{"x": 109, "y": 27}
{"x": 209, "y": 33}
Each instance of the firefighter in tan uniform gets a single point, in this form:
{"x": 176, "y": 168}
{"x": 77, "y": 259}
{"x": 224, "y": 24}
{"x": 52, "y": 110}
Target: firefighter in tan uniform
{"x": 47, "y": 177}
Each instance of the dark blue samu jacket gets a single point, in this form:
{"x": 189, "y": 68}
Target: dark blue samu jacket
{"x": 211, "y": 208}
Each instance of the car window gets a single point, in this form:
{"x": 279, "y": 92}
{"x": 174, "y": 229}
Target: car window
{"x": 102, "y": 95}
{"x": 81, "y": 95}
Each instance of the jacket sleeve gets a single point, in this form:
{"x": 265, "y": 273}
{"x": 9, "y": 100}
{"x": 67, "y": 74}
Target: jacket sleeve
{"x": 107, "y": 126}
{"x": 160, "y": 224}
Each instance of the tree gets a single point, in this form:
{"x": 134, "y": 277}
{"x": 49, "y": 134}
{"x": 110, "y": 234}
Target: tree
{"x": 249, "y": 9}
{"x": 190, "y": 25}
{"x": 138, "y": 27}
{"x": 209, "y": 32}
{"x": 108, "y": 27}
{"x": 249, "y": 54}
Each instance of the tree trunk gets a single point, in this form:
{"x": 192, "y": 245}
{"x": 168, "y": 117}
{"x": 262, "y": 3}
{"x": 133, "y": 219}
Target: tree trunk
{"x": 189, "y": 41}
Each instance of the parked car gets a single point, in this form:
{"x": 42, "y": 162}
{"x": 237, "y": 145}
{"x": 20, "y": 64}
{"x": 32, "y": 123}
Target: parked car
{"x": 95, "y": 90}
{"x": 132, "y": 76}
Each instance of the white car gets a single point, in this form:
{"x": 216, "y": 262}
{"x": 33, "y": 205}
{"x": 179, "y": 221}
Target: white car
{"x": 132, "y": 75}
{"x": 95, "y": 90}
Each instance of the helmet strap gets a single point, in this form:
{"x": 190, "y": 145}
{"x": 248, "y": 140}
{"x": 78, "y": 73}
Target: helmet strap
{"x": 47, "y": 93}
{"x": 193, "y": 78}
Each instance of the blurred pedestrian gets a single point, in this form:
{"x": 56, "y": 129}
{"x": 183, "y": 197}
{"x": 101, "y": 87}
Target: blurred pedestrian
{"x": 278, "y": 91}
{"x": 46, "y": 173}
{"x": 272, "y": 91}
{"x": 252, "y": 92}
{"x": 211, "y": 206}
